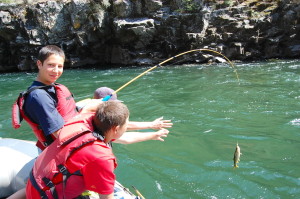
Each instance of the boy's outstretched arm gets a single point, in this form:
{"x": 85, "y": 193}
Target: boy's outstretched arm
{"x": 134, "y": 137}
{"x": 159, "y": 123}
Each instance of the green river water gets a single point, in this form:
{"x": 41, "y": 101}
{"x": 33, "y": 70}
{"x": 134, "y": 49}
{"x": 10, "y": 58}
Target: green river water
{"x": 211, "y": 112}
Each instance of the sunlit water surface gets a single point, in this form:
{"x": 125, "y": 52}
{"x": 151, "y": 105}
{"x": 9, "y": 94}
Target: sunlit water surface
{"x": 211, "y": 111}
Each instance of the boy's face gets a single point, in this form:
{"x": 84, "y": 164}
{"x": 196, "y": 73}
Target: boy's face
{"x": 51, "y": 69}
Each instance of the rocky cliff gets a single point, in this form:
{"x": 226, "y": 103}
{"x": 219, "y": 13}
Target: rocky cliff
{"x": 144, "y": 32}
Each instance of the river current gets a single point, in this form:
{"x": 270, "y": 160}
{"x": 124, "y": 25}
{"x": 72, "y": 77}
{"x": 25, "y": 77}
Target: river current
{"x": 211, "y": 111}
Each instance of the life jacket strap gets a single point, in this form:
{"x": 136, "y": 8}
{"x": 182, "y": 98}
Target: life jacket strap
{"x": 66, "y": 174}
{"x": 20, "y": 102}
{"x": 51, "y": 186}
{"x": 36, "y": 186}
{"x": 49, "y": 140}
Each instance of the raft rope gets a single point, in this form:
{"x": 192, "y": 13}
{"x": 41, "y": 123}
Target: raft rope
{"x": 167, "y": 60}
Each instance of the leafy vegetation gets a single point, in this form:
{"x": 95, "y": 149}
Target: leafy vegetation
{"x": 192, "y": 6}
{"x": 6, "y": 1}
{"x": 189, "y": 6}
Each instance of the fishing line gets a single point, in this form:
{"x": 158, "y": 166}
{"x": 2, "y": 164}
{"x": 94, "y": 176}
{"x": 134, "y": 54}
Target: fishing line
{"x": 169, "y": 59}
{"x": 237, "y": 153}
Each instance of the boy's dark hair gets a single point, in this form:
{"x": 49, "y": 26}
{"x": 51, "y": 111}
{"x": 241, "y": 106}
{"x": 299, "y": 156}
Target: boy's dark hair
{"x": 46, "y": 51}
{"x": 110, "y": 114}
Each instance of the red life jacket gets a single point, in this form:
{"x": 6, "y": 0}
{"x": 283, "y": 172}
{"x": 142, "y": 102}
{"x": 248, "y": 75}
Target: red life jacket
{"x": 65, "y": 106}
{"x": 51, "y": 170}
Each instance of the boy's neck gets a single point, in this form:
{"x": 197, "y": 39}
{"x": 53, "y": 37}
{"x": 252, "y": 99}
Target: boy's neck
{"x": 45, "y": 83}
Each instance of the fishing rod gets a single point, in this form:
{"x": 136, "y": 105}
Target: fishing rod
{"x": 167, "y": 60}
{"x": 138, "y": 193}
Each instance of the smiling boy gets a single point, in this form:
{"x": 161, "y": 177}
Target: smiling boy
{"x": 48, "y": 105}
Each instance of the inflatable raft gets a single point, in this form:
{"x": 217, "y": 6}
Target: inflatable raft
{"x": 17, "y": 159}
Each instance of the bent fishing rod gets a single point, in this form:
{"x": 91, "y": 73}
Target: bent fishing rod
{"x": 167, "y": 60}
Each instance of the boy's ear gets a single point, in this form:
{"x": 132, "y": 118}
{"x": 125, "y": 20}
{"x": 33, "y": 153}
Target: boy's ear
{"x": 114, "y": 130}
{"x": 39, "y": 64}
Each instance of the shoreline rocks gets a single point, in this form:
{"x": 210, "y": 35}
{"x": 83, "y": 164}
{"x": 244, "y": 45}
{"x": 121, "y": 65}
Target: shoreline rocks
{"x": 144, "y": 32}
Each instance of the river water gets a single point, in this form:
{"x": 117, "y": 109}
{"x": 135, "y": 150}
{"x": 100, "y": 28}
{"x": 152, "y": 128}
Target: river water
{"x": 211, "y": 111}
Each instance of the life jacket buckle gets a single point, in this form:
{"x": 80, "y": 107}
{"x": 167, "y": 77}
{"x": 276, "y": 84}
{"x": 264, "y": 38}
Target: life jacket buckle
{"x": 63, "y": 169}
{"x": 50, "y": 184}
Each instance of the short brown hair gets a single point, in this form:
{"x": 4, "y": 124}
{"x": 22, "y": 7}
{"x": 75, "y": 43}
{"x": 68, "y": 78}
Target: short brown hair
{"x": 49, "y": 50}
{"x": 110, "y": 114}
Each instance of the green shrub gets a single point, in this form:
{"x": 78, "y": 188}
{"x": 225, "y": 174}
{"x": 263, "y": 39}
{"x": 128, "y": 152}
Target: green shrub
{"x": 6, "y": 1}
{"x": 190, "y": 6}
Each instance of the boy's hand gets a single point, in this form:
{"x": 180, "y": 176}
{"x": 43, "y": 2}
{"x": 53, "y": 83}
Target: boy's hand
{"x": 91, "y": 106}
{"x": 160, "y": 123}
{"x": 160, "y": 134}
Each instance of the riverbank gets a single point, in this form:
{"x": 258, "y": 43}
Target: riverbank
{"x": 138, "y": 32}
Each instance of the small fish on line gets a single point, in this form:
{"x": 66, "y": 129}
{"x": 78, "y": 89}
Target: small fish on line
{"x": 237, "y": 155}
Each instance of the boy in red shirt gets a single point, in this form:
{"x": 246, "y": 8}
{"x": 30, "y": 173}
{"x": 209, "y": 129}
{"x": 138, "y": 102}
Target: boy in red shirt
{"x": 81, "y": 157}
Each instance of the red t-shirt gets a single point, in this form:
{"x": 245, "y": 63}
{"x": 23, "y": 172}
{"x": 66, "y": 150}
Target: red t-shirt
{"x": 97, "y": 163}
